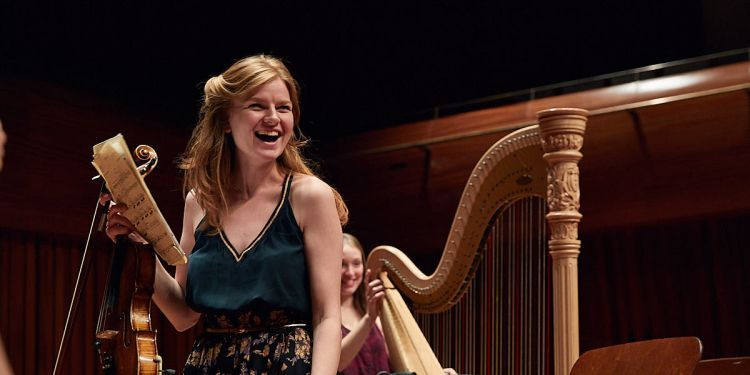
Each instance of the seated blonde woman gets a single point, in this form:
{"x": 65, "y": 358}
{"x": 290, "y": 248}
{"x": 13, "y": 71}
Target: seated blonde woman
{"x": 363, "y": 348}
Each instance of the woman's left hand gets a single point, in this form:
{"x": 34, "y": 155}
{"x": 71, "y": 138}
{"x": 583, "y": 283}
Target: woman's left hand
{"x": 117, "y": 224}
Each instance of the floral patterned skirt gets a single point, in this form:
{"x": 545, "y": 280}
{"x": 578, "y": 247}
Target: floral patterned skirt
{"x": 251, "y": 344}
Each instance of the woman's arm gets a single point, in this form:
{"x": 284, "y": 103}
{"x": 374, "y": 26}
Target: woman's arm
{"x": 315, "y": 208}
{"x": 169, "y": 292}
{"x": 352, "y": 343}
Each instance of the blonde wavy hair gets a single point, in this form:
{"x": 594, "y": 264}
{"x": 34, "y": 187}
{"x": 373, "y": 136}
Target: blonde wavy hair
{"x": 208, "y": 159}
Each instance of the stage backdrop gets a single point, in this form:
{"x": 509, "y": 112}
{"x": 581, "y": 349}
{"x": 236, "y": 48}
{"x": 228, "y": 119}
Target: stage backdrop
{"x": 664, "y": 208}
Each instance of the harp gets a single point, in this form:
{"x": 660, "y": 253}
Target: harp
{"x": 504, "y": 296}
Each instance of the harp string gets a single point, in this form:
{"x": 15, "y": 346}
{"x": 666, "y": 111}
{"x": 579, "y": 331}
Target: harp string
{"x": 502, "y": 324}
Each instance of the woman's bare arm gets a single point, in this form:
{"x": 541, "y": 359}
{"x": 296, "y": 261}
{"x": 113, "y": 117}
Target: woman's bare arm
{"x": 315, "y": 208}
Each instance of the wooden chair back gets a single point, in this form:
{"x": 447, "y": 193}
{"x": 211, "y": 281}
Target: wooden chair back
{"x": 677, "y": 355}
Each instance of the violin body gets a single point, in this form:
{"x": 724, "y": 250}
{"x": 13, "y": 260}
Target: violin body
{"x": 125, "y": 341}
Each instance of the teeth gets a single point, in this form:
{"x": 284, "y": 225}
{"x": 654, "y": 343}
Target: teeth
{"x": 272, "y": 133}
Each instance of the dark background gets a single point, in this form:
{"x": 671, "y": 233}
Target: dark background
{"x": 362, "y": 65}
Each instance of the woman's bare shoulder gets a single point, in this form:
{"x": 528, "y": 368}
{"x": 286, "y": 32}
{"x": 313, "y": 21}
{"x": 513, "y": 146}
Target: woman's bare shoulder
{"x": 310, "y": 197}
{"x": 307, "y": 187}
{"x": 193, "y": 212}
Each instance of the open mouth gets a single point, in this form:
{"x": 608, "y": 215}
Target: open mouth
{"x": 269, "y": 137}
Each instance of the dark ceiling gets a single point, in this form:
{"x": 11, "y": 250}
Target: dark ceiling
{"x": 362, "y": 65}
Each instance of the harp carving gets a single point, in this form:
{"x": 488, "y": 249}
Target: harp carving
{"x": 490, "y": 307}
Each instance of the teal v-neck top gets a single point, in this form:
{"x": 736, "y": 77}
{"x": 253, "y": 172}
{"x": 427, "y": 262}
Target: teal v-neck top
{"x": 269, "y": 275}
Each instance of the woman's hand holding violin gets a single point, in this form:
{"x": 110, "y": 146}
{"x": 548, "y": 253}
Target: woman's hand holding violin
{"x": 117, "y": 224}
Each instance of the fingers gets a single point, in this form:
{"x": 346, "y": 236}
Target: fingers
{"x": 114, "y": 214}
{"x": 373, "y": 304}
{"x": 375, "y": 292}
{"x": 374, "y": 287}
{"x": 118, "y": 224}
{"x": 375, "y": 298}
{"x": 114, "y": 231}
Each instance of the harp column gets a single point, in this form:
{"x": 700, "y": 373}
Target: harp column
{"x": 562, "y": 137}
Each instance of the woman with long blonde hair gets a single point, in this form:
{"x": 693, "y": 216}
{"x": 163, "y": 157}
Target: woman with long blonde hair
{"x": 263, "y": 234}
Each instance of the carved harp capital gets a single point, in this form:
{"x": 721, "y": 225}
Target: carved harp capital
{"x": 562, "y": 129}
{"x": 562, "y": 138}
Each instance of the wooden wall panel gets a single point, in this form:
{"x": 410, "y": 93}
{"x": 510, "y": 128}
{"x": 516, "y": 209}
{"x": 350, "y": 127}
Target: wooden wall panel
{"x": 611, "y": 139}
{"x": 702, "y": 126}
{"x": 695, "y": 185}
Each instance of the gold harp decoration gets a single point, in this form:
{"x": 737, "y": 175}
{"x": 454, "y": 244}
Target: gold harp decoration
{"x": 534, "y": 163}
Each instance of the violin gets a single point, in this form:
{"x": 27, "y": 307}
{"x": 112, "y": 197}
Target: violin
{"x": 125, "y": 341}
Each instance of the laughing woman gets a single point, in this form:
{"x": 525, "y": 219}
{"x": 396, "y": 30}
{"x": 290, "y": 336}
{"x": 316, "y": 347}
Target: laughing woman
{"x": 263, "y": 234}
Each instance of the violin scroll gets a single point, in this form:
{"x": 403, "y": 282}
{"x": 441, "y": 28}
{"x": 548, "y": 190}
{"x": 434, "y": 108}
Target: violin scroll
{"x": 146, "y": 153}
